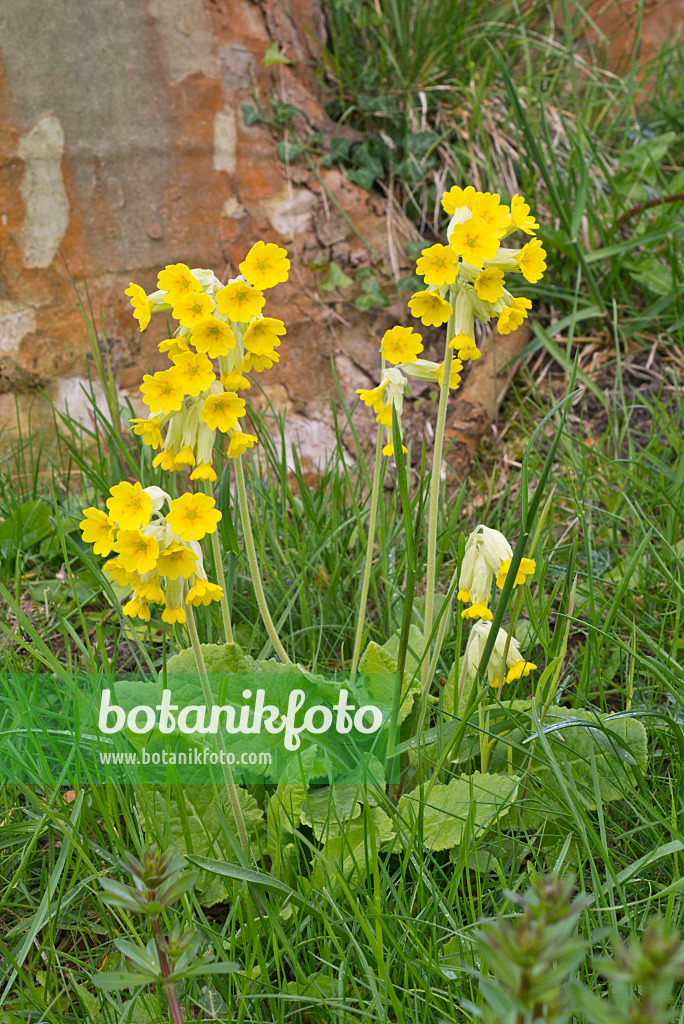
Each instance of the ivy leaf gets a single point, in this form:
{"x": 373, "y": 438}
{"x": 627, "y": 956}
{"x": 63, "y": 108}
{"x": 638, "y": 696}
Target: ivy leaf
{"x": 334, "y": 277}
{"x": 288, "y": 149}
{"x": 251, "y": 115}
{"x": 373, "y": 295}
{"x": 483, "y": 796}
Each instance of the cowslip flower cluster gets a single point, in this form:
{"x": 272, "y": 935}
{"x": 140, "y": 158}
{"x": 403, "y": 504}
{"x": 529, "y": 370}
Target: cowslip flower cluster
{"x": 466, "y": 278}
{"x": 488, "y": 556}
{"x": 191, "y": 400}
{"x": 158, "y": 557}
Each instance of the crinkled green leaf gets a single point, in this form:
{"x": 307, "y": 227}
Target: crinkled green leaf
{"x": 218, "y": 658}
{"x": 350, "y": 849}
{"x": 327, "y": 809}
{"x": 446, "y": 811}
{"x": 189, "y": 820}
{"x": 579, "y": 741}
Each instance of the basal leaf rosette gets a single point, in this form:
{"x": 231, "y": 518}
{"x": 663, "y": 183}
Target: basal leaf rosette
{"x": 158, "y": 555}
{"x": 221, "y": 336}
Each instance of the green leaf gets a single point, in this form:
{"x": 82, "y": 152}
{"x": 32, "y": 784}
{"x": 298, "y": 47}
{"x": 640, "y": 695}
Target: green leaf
{"x": 334, "y": 278}
{"x": 361, "y": 176}
{"x": 260, "y": 879}
{"x": 326, "y": 809}
{"x": 483, "y": 797}
{"x": 582, "y": 743}
{"x": 115, "y": 981}
{"x": 28, "y": 524}
{"x": 378, "y": 666}
{"x": 219, "y": 658}
{"x": 288, "y": 149}
{"x": 251, "y": 115}
{"x": 352, "y": 848}
{"x": 192, "y": 821}
{"x": 274, "y": 56}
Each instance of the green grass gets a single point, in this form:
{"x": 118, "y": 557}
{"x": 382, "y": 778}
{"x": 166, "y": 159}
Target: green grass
{"x": 394, "y": 940}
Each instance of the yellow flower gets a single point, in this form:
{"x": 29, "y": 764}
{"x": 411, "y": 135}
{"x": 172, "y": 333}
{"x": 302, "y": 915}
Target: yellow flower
{"x": 240, "y": 302}
{"x": 457, "y": 197}
{"x": 165, "y": 459}
{"x": 149, "y": 430}
{"x": 432, "y": 310}
{"x": 203, "y": 471}
{"x": 203, "y": 592}
{"x": 265, "y": 265}
{"x": 151, "y": 592}
{"x": 384, "y": 417}
{"x": 401, "y": 345}
{"x": 194, "y": 372}
{"x": 373, "y": 397}
{"x": 463, "y": 595}
{"x": 489, "y": 285}
{"x": 138, "y": 552}
{"x": 129, "y": 506}
{"x": 142, "y": 307}
{"x": 512, "y": 316}
{"x": 389, "y": 449}
{"x": 136, "y": 609}
{"x": 239, "y": 443}
{"x": 261, "y": 337}
{"x": 176, "y": 280}
{"x": 173, "y": 614}
{"x": 185, "y": 457}
{"x": 465, "y": 346}
{"x": 221, "y": 412}
{"x": 234, "y": 381}
{"x": 192, "y": 516}
{"x": 192, "y": 308}
{"x": 520, "y": 668}
{"x": 213, "y": 337}
{"x": 530, "y": 259}
{"x": 520, "y": 216}
{"x": 488, "y": 207}
{"x": 176, "y": 560}
{"x": 255, "y": 362}
{"x": 454, "y": 376}
{"x": 438, "y": 265}
{"x": 526, "y": 568}
{"x": 162, "y": 391}
{"x": 121, "y": 576}
{"x": 477, "y": 611}
{"x": 173, "y": 346}
{"x": 475, "y": 240}
{"x": 98, "y": 530}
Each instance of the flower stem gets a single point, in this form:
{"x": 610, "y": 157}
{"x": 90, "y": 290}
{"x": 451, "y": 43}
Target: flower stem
{"x": 378, "y": 476}
{"x": 253, "y": 563}
{"x": 209, "y": 698}
{"x": 434, "y": 502}
{"x": 220, "y": 576}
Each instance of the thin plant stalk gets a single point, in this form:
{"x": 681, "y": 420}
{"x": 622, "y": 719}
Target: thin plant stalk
{"x": 434, "y": 499}
{"x": 209, "y": 698}
{"x": 220, "y": 576}
{"x": 169, "y": 987}
{"x": 253, "y": 563}
{"x": 378, "y": 475}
